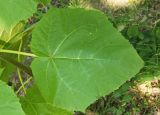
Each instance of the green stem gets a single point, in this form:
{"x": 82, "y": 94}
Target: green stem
{"x": 17, "y": 52}
{"x": 21, "y": 80}
{"x": 18, "y": 70}
{"x": 27, "y": 81}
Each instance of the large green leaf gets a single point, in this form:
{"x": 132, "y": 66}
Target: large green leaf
{"x": 12, "y": 11}
{"x": 81, "y": 57}
{"x": 9, "y": 103}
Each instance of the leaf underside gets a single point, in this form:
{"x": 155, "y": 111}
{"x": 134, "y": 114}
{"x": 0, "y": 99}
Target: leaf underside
{"x": 81, "y": 58}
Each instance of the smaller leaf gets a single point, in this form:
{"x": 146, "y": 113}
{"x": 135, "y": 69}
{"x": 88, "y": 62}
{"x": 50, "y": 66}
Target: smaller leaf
{"x": 9, "y": 103}
{"x": 13, "y": 11}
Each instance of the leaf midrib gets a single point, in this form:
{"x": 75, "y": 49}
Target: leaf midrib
{"x": 76, "y": 58}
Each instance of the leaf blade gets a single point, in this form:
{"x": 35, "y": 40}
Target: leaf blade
{"x": 14, "y": 11}
{"x": 9, "y": 103}
{"x": 89, "y": 58}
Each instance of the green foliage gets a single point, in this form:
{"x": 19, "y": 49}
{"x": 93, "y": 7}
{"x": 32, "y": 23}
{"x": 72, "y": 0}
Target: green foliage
{"x": 78, "y": 58}
{"x": 79, "y": 52}
{"x": 12, "y": 41}
{"x": 1, "y": 70}
{"x": 133, "y": 31}
{"x": 9, "y": 103}
{"x": 13, "y": 11}
{"x": 146, "y": 19}
{"x": 43, "y": 1}
{"x": 34, "y": 103}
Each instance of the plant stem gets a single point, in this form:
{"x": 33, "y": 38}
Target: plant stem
{"x": 17, "y": 52}
{"x": 28, "y": 80}
{"x": 21, "y": 80}
{"x": 18, "y": 70}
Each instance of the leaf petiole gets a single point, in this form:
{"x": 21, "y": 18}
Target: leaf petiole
{"x": 17, "y": 52}
{"x": 18, "y": 70}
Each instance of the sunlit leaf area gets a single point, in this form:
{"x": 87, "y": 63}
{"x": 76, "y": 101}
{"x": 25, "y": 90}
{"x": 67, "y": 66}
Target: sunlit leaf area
{"x": 80, "y": 57}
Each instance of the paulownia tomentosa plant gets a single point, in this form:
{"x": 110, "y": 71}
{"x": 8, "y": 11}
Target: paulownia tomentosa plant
{"x": 78, "y": 57}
